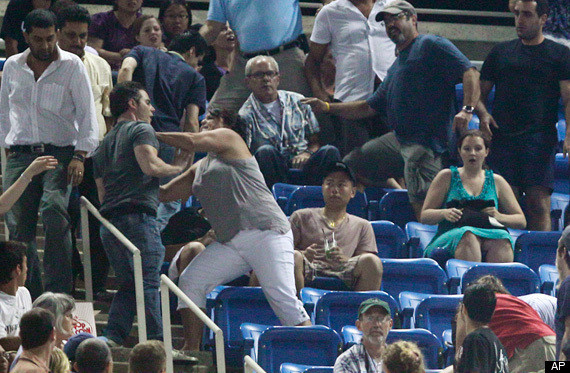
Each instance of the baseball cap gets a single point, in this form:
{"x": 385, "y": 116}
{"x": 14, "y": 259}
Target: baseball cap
{"x": 73, "y": 342}
{"x": 340, "y": 167}
{"x": 372, "y": 302}
{"x": 396, "y": 7}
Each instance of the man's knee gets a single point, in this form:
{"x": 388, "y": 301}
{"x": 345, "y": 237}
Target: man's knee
{"x": 370, "y": 265}
{"x": 266, "y": 151}
{"x": 330, "y": 152}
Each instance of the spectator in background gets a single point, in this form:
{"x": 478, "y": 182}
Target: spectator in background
{"x": 73, "y": 342}
{"x": 73, "y": 23}
{"x": 479, "y": 349}
{"x": 529, "y": 342}
{"x": 38, "y": 340}
{"x": 12, "y": 23}
{"x": 61, "y": 306}
{"x": 557, "y": 25}
{"x": 218, "y": 60}
{"x": 176, "y": 90}
{"x": 58, "y": 362}
{"x": 148, "y": 32}
{"x": 374, "y": 321}
{"x": 414, "y": 150}
{"x": 46, "y": 108}
{"x": 148, "y": 357}
{"x": 111, "y": 33}
{"x": 15, "y": 299}
{"x": 270, "y": 28}
{"x": 93, "y": 356}
{"x": 563, "y": 308}
{"x": 403, "y": 357}
{"x": 282, "y": 132}
{"x": 362, "y": 51}
{"x": 175, "y": 16}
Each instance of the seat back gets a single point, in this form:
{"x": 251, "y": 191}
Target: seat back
{"x": 351, "y": 336}
{"x": 336, "y": 309}
{"x": 436, "y": 312}
{"x": 395, "y": 207}
{"x": 299, "y": 368}
{"x": 281, "y": 193}
{"x": 312, "y": 196}
{"x": 390, "y": 239}
{"x": 309, "y": 296}
{"x": 561, "y": 172}
{"x": 409, "y": 300}
{"x": 429, "y": 344}
{"x": 422, "y": 234}
{"x": 537, "y": 248}
{"x": 422, "y": 275}
{"x": 548, "y": 275}
{"x": 518, "y": 278}
{"x": 308, "y": 345}
{"x": 558, "y": 203}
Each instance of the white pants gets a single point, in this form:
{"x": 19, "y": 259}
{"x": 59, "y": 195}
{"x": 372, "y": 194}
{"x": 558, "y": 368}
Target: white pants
{"x": 267, "y": 253}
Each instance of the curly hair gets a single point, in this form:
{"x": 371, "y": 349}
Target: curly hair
{"x": 403, "y": 357}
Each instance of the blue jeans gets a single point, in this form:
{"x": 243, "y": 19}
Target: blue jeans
{"x": 166, "y": 209}
{"x": 142, "y": 231}
{"x": 274, "y": 166}
{"x": 48, "y": 193}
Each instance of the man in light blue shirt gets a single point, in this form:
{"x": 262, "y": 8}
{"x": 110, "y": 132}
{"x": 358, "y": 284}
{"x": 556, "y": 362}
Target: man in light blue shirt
{"x": 262, "y": 27}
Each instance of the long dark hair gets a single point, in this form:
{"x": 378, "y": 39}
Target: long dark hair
{"x": 231, "y": 120}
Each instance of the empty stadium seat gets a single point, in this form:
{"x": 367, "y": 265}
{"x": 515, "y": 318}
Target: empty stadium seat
{"x": 548, "y": 275}
{"x": 518, "y": 278}
{"x": 336, "y": 309}
{"x": 281, "y": 193}
{"x": 422, "y": 275}
{"x": 309, "y": 296}
{"x": 395, "y": 207}
{"x": 419, "y": 236}
{"x": 537, "y": 248}
{"x": 558, "y": 203}
{"x": 436, "y": 312}
{"x": 390, "y": 239}
{"x": 312, "y": 196}
{"x": 409, "y": 300}
{"x": 299, "y": 368}
{"x": 561, "y": 173}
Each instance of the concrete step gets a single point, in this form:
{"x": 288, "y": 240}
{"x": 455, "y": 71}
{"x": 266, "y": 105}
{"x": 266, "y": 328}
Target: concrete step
{"x": 205, "y": 361}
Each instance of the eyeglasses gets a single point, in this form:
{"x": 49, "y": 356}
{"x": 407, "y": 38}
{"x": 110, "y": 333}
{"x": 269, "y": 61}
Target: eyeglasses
{"x": 375, "y": 319}
{"x": 262, "y": 74}
{"x": 176, "y": 16}
{"x": 394, "y": 17}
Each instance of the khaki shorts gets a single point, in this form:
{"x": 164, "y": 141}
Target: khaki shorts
{"x": 532, "y": 358}
{"x": 344, "y": 271}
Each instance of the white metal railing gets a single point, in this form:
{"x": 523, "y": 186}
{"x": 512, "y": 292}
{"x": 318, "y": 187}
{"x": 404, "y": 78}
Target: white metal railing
{"x": 250, "y": 366}
{"x": 165, "y": 285}
{"x": 137, "y": 263}
{"x": 4, "y": 159}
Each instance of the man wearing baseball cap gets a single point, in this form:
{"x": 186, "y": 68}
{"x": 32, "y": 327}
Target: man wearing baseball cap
{"x": 375, "y": 322}
{"x": 417, "y": 97}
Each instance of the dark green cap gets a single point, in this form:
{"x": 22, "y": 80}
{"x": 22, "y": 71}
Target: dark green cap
{"x": 371, "y": 302}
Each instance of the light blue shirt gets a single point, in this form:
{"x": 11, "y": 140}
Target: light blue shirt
{"x": 259, "y": 24}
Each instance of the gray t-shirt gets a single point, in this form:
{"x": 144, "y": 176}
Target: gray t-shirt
{"x": 127, "y": 188}
{"x": 234, "y": 197}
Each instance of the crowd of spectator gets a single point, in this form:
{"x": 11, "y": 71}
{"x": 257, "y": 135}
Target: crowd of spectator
{"x": 137, "y": 113}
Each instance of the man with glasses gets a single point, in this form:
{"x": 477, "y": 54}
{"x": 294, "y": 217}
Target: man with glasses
{"x": 281, "y": 131}
{"x": 375, "y": 322}
{"x": 418, "y": 97}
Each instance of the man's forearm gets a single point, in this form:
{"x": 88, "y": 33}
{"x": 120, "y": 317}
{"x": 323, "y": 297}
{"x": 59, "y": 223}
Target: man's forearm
{"x": 471, "y": 88}
{"x": 351, "y": 110}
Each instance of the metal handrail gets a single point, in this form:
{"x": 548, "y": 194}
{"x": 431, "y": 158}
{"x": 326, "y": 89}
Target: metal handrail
{"x": 165, "y": 285}
{"x": 4, "y": 159}
{"x": 137, "y": 262}
{"x": 250, "y": 366}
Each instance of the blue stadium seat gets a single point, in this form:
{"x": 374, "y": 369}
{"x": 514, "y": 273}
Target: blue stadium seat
{"x": 192, "y": 202}
{"x": 449, "y": 347}
{"x": 390, "y": 239}
{"x": 429, "y": 344}
{"x": 238, "y": 305}
{"x": 561, "y": 174}
{"x": 373, "y": 196}
{"x": 558, "y": 204}
{"x": 336, "y": 309}
{"x": 281, "y": 193}
{"x": 315, "y": 345}
{"x": 395, "y": 207}
{"x": 309, "y": 296}
{"x": 250, "y": 333}
{"x": 436, "y": 312}
{"x": 537, "y": 248}
{"x": 518, "y": 278}
{"x": 299, "y": 368}
{"x": 419, "y": 236}
{"x": 561, "y": 129}
{"x": 422, "y": 275}
{"x": 312, "y": 196}
{"x": 548, "y": 275}
{"x": 409, "y": 300}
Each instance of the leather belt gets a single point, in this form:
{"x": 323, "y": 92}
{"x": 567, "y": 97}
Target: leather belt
{"x": 38, "y": 148}
{"x": 274, "y": 51}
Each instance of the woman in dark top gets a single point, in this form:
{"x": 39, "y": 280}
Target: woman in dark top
{"x": 11, "y": 31}
{"x": 175, "y": 17}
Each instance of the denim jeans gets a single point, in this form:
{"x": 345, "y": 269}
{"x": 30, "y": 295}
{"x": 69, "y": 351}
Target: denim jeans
{"x": 48, "y": 193}
{"x": 166, "y": 209}
{"x": 142, "y": 231}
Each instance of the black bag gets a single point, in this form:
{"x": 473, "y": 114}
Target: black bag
{"x": 473, "y": 216}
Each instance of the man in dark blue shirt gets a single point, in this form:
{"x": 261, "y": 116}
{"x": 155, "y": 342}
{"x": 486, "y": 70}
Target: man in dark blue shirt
{"x": 417, "y": 96}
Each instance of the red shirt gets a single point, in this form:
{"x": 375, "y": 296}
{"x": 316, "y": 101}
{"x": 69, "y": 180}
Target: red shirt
{"x": 516, "y": 323}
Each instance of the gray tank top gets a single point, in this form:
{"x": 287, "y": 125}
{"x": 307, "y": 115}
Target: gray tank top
{"x": 234, "y": 197}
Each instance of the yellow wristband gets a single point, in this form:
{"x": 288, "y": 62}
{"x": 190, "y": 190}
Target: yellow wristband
{"x": 328, "y": 107}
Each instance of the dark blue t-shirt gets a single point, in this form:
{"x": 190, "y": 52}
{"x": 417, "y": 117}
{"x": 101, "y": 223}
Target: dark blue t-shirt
{"x": 419, "y": 89}
{"x": 171, "y": 84}
{"x": 527, "y": 85}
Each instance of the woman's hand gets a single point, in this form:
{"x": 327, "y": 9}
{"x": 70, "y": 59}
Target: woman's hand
{"x": 452, "y": 214}
{"x": 491, "y": 211}
{"x": 41, "y": 164}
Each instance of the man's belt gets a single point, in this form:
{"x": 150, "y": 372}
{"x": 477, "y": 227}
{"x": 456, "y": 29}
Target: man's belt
{"x": 274, "y": 51}
{"x": 38, "y": 148}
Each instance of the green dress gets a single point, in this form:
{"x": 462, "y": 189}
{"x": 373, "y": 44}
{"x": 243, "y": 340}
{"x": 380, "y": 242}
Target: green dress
{"x": 448, "y": 236}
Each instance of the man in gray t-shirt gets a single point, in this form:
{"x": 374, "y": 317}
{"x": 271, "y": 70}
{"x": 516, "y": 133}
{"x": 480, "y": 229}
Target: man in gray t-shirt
{"x": 126, "y": 169}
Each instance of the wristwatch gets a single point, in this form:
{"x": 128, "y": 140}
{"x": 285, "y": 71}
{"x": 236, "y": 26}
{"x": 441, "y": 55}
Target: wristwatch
{"x": 468, "y": 109}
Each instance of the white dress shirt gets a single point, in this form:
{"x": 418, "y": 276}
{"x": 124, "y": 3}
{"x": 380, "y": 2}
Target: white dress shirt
{"x": 360, "y": 47}
{"x": 99, "y": 72}
{"x": 56, "y": 109}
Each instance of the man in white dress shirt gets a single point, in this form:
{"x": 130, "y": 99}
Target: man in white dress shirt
{"x": 46, "y": 108}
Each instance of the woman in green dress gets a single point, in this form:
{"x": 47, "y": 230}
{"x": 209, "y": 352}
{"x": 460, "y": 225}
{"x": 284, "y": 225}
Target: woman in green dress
{"x": 472, "y": 185}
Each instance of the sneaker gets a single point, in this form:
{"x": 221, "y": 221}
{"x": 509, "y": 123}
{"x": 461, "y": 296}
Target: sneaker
{"x": 181, "y": 358}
